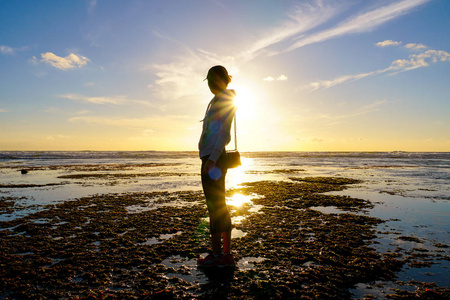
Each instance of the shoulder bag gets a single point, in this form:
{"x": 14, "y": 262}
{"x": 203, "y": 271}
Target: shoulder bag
{"x": 233, "y": 157}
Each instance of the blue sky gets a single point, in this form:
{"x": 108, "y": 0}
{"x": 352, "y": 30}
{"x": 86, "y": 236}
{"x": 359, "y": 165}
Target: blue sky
{"x": 351, "y": 75}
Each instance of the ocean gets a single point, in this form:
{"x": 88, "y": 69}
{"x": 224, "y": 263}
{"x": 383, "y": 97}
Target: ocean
{"x": 416, "y": 175}
{"x": 409, "y": 190}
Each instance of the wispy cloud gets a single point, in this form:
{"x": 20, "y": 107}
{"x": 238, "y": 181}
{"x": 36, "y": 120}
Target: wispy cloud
{"x": 2, "y": 110}
{"x": 360, "y": 23}
{"x": 388, "y": 43}
{"x": 181, "y": 76}
{"x": 324, "y": 84}
{"x": 91, "y": 6}
{"x": 56, "y": 137}
{"x": 414, "y": 46}
{"x": 371, "y": 107}
{"x": 177, "y": 79}
{"x": 307, "y": 17}
{"x": 6, "y": 49}
{"x": 115, "y": 100}
{"x": 59, "y": 111}
{"x": 279, "y": 78}
{"x": 150, "y": 123}
{"x": 303, "y": 18}
{"x": 64, "y": 63}
{"x": 413, "y": 61}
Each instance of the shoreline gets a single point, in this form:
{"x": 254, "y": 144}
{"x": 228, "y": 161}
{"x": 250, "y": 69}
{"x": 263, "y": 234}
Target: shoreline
{"x": 142, "y": 244}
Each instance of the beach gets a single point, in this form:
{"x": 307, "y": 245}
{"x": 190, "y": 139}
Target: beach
{"x": 306, "y": 225}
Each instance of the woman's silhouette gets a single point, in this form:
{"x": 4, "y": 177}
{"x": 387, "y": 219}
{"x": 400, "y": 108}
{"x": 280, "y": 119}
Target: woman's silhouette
{"x": 215, "y": 136}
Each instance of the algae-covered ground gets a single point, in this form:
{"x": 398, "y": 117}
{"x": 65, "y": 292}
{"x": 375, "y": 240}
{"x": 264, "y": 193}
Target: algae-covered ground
{"x": 145, "y": 246}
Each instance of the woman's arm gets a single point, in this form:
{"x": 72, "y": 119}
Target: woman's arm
{"x": 227, "y": 112}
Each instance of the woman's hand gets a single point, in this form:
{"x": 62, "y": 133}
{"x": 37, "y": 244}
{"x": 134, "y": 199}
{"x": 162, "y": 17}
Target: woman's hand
{"x": 208, "y": 166}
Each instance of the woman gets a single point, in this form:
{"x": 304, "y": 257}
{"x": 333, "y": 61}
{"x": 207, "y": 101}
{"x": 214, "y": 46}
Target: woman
{"x": 215, "y": 136}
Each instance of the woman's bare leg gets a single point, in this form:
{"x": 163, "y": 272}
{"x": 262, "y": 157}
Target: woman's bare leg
{"x": 226, "y": 242}
{"x": 216, "y": 240}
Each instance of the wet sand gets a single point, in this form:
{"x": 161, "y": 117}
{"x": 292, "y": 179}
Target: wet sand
{"x": 145, "y": 245}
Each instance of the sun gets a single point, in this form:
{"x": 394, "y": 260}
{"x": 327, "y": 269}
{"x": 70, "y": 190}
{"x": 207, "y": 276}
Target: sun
{"x": 250, "y": 101}
{"x": 244, "y": 102}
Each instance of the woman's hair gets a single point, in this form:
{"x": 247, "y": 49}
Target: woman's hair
{"x": 218, "y": 73}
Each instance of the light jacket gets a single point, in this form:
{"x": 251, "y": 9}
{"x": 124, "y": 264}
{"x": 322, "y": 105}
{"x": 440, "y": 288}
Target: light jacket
{"x": 216, "y": 125}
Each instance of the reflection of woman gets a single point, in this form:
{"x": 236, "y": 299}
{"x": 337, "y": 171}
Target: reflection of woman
{"x": 215, "y": 136}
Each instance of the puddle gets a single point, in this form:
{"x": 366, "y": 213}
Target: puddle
{"x": 185, "y": 269}
{"x": 55, "y": 261}
{"x": 41, "y": 221}
{"x": 9, "y": 228}
{"x": 378, "y": 289}
{"x": 139, "y": 208}
{"x": 160, "y": 239}
{"x": 239, "y": 200}
{"x": 328, "y": 209}
{"x": 169, "y": 235}
{"x": 236, "y": 233}
{"x": 136, "y": 209}
{"x": 237, "y": 220}
{"x": 256, "y": 208}
{"x": 249, "y": 263}
{"x": 151, "y": 241}
{"x": 24, "y": 253}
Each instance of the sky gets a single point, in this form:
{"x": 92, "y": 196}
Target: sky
{"x": 310, "y": 75}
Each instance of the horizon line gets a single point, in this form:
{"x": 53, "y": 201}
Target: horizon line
{"x": 250, "y": 151}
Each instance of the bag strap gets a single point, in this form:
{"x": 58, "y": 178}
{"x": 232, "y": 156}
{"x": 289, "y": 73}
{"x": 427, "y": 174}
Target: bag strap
{"x": 235, "y": 135}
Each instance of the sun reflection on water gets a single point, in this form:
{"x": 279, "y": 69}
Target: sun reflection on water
{"x": 238, "y": 175}
{"x": 238, "y": 200}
